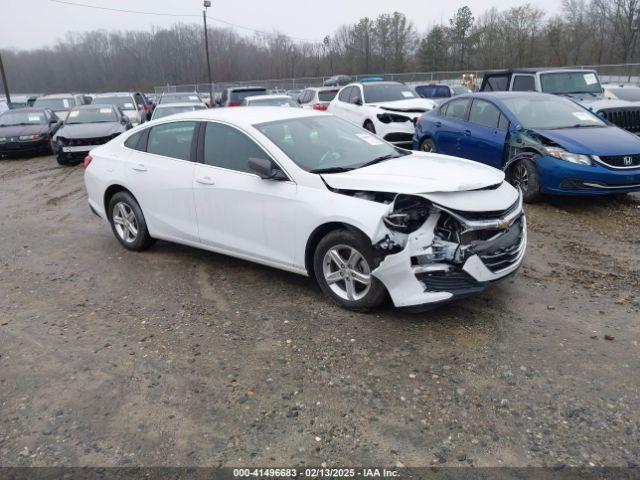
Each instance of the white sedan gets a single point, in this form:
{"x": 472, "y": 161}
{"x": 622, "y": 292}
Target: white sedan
{"x": 310, "y": 193}
{"x": 388, "y": 109}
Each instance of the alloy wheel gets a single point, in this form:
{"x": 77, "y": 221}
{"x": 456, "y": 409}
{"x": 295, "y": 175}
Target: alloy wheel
{"x": 427, "y": 146}
{"x": 520, "y": 176}
{"x": 346, "y": 272}
{"x": 125, "y": 223}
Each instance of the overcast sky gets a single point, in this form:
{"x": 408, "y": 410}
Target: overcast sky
{"x": 29, "y": 24}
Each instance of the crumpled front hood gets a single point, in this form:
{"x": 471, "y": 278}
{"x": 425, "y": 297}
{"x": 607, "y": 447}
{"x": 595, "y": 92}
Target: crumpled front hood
{"x": 410, "y": 104}
{"x": 594, "y": 140}
{"x": 418, "y": 173}
{"x": 89, "y": 130}
{"x": 19, "y": 130}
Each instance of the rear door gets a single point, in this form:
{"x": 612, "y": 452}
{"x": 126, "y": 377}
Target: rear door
{"x": 484, "y": 134}
{"x": 160, "y": 171}
{"x": 450, "y": 126}
{"x": 239, "y": 212}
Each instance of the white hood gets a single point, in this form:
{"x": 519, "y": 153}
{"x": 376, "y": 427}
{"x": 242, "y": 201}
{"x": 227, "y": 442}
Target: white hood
{"x": 447, "y": 181}
{"x": 421, "y": 104}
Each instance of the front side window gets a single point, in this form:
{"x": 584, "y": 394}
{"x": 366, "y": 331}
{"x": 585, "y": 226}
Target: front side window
{"x": 457, "y": 108}
{"x": 484, "y": 113}
{"x": 524, "y": 83}
{"x": 229, "y": 148}
{"x": 134, "y": 140}
{"x": 171, "y": 140}
{"x": 497, "y": 83}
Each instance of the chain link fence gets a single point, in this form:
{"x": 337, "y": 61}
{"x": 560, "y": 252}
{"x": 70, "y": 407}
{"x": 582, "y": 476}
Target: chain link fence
{"x": 610, "y": 73}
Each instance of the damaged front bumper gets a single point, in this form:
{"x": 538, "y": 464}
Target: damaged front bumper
{"x": 431, "y": 267}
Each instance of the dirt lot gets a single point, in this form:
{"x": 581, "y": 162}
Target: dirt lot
{"x": 177, "y": 356}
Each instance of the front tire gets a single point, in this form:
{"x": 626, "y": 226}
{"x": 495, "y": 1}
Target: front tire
{"x": 523, "y": 174}
{"x": 128, "y": 223}
{"x": 343, "y": 262}
{"x": 61, "y": 160}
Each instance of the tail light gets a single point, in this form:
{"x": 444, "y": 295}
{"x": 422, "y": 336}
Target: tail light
{"x": 147, "y": 107}
{"x": 87, "y": 160}
{"x": 319, "y": 106}
{"x": 233, "y": 104}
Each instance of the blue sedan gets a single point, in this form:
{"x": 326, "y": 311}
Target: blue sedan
{"x": 545, "y": 144}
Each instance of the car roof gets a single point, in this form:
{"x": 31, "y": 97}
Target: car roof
{"x": 27, "y": 109}
{"x": 248, "y": 116}
{"x": 169, "y": 94}
{"x": 179, "y": 104}
{"x": 58, "y": 95}
{"x": 267, "y": 97}
{"x": 254, "y": 87}
{"x": 499, "y": 96}
{"x": 536, "y": 70}
{"x": 386, "y": 82}
{"x": 97, "y": 105}
{"x": 114, "y": 94}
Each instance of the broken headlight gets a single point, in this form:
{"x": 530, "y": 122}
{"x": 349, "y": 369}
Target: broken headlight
{"x": 562, "y": 154}
{"x": 392, "y": 117}
{"x": 409, "y": 213}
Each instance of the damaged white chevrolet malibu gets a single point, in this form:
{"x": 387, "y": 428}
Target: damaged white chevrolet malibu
{"x": 308, "y": 192}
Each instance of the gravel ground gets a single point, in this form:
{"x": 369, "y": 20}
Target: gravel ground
{"x": 177, "y": 356}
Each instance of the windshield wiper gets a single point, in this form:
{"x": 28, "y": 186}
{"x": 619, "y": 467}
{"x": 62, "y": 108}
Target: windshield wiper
{"x": 331, "y": 170}
{"x": 383, "y": 158}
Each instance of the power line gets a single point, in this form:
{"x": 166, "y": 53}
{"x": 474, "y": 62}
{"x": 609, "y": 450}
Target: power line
{"x": 159, "y": 14}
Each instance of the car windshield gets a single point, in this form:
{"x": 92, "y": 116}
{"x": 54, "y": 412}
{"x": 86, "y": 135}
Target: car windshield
{"x": 630, "y": 94}
{"x": 386, "y": 92}
{"x": 570, "y": 82}
{"x": 161, "y": 112}
{"x": 181, "y": 98}
{"x": 21, "y": 118}
{"x": 326, "y": 144}
{"x": 273, "y": 102}
{"x": 124, "y": 102}
{"x": 54, "y": 103}
{"x": 327, "y": 95}
{"x": 550, "y": 113}
{"x": 433, "y": 91}
{"x": 92, "y": 115}
{"x": 237, "y": 96}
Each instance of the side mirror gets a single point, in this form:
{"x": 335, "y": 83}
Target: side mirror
{"x": 265, "y": 169}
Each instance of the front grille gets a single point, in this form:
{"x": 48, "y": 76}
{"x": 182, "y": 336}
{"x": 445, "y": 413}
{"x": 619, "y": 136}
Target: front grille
{"x": 453, "y": 281}
{"x": 398, "y": 137}
{"x": 486, "y": 215}
{"x": 621, "y": 161}
{"x": 79, "y": 142}
{"x": 627, "y": 117}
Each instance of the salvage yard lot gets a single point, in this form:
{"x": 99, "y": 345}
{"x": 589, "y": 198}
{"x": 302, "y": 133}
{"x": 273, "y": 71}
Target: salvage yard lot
{"x": 178, "y": 356}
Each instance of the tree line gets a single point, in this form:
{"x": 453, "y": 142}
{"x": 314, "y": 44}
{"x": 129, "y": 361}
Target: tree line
{"x": 584, "y": 32}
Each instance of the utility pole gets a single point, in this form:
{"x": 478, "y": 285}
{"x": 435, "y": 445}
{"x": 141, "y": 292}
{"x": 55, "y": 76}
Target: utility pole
{"x": 207, "y": 4}
{"x": 4, "y": 81}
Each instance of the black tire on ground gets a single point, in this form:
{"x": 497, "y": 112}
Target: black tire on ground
{"x": 428, "y": 145}
{"x": 376, "y": 294}
{"x": 123, "y": 205}
{"x": 61, "y": 160}
{"x": 368, "y": 125}
{"x": 523, "y": 173}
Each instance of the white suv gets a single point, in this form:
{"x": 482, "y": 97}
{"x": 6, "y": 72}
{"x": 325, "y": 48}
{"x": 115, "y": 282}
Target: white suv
{"x": 317, "y": 98}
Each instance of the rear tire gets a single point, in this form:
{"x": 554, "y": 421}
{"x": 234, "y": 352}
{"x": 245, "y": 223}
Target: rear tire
{"x": 428, "y": 145}
{"x": 128, "y": 223}
{"x": 343, "y": 262}
{"x": 523, "y": 174}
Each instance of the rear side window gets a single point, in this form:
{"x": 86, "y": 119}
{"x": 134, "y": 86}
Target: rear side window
{"x": 457, "y": 108}
{"x": 134, "y": 140}
{"x": 497, "y": 83}
{"x": 524, "y": 83}
{"x": 171, "y": 140}
{"x": 484, "y": 113}
{"x": 229, "y": 148}
{"x": 344, "y": 94}
{"x": 355, "y": 95}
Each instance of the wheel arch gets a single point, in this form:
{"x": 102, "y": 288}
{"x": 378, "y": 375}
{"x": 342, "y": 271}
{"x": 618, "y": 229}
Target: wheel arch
{"x": 318, "y": 234}
{"x": 110, "y": 192}
{"x": 525, "y": 152}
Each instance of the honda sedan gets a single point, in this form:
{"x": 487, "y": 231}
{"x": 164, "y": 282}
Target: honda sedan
{"x": 313, "y": 194}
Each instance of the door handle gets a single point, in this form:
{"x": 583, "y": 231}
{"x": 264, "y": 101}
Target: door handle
{"x": 205, "y": 181}
{"x": 139, "y": 167}
{"x": 467, "y": 133}
{"x": 438, "y": 124}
